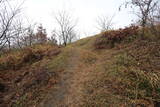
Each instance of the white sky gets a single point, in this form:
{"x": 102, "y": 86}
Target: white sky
{"x": 41, "y": 11}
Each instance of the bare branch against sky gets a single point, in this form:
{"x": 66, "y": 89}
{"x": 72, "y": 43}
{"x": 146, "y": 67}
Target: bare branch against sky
{"x": 8, "y": 17}
{"x": 66, "y": 27}
{"x": 40, "y": 11}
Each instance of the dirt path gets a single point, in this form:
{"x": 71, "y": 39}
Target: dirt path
{"x": 62, "y": 95}
{"x": 70, "y": 91}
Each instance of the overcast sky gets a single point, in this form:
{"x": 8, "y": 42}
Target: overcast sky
{"x": 87, "y": 11}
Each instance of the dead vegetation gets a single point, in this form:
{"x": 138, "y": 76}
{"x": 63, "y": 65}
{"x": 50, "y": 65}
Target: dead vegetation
{"x": 93, "y": 75}
{"x": 24, "y": 76}
{"x": 17, "y": 59}
{"x": 128, "y": 73}
{"x": 110, "y": 38}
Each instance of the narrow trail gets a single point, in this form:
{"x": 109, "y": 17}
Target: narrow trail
{"x": 69, "y": 92}
{"x": 61, "y": 94}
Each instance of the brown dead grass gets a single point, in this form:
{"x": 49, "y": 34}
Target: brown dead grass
{"x": 123, "y": 76}
{"x": 127, "y": 75}
{"x": 24, "y": 76}
{"x": 25, "y": 56}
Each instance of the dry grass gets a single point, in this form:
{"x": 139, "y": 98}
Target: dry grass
{"x": 16, "y": 60}
{"x": 24, "y": 75}
{"x": 108, "y": 39}
{"x": 125, "y": 76}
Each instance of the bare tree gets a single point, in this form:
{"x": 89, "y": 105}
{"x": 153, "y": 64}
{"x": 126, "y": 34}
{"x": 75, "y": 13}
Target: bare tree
{"x": 144, "y": 9}
{"x": 8, "y": 15}
{"x": 30, "y": 37}
{"x": 154, "y": 17}
{"x": 25, "y": 36}
{"x": 16, "y": 38}
{"x": 30, "y": 33}
{"x": 157, "y": 16}
{"x": 53, "y": 38}
{"x": 104, "y": 23}
{"x": 66, "y": 23}
{"x": 13, "y": 38}
{"x": 41, "y": 35}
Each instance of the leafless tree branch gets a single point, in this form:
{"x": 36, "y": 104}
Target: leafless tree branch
{"x": 67, "y": 25}
{"x": 104, "y": 23}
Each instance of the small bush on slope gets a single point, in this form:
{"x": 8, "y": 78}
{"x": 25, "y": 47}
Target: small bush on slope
{"x": 109, "y": 38}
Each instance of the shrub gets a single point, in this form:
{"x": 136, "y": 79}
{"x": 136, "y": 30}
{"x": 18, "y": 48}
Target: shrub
{"x": 15, "y": 60}
{"x": 109, "y": 38}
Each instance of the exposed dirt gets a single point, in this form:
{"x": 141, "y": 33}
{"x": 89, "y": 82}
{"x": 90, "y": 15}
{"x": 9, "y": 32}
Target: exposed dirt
{"x": 62, "y": 94}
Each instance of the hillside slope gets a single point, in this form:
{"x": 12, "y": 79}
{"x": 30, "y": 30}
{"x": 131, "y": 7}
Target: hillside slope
{"x": 127, "y": 75}
{"x": 82, "y": 75}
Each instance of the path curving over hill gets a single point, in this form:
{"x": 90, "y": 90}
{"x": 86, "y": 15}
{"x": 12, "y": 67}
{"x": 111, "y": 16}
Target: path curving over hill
{"x": 67, "y": 92}
{"x": 104, "y": 78}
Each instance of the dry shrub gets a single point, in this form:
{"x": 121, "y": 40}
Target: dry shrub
{"x": 25, "y": 77}
{"x": 109, "y": 38}
{"x": 10, "y": 61}
{"x": 29, "y": 55}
